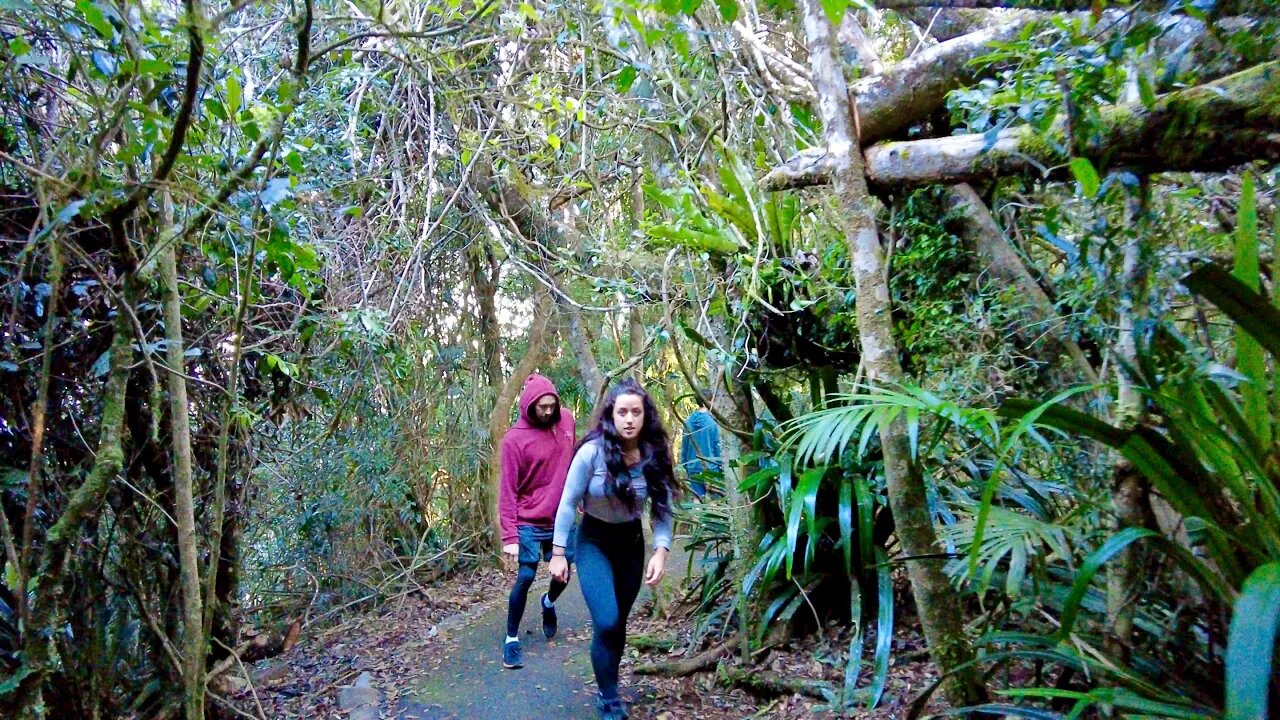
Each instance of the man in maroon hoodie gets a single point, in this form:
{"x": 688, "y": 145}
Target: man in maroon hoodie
{"x": 536, "y": 453}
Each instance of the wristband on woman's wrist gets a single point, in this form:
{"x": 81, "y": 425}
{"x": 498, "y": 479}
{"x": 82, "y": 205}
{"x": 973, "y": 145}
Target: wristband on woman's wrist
{"x": 554, "y": 548}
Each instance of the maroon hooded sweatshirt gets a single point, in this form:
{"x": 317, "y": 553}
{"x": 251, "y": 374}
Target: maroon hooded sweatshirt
{"x": 535, "y": 461}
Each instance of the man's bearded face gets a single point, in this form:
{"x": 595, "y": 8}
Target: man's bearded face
{"x": 546, "y": 410}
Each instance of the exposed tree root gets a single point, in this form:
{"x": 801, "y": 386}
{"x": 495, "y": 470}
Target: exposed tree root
{"x": 771, "y": 683}
{"x": 688, "y": 666}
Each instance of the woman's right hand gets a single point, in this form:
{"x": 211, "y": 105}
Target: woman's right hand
{"x": 559, "y": 568}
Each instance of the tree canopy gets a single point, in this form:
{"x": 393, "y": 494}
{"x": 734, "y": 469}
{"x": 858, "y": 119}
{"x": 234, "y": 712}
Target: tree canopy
{"x": 982, "y": 295}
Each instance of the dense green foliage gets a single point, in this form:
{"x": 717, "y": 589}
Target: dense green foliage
{"x": 380, "y": 211}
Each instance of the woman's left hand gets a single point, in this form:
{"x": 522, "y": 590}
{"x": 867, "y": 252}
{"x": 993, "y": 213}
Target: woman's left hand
{"x": 657, "y": 567}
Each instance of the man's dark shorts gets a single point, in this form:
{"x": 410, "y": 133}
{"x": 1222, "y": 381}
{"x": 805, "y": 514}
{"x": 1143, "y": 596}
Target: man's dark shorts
{"x": 535, "y": 544}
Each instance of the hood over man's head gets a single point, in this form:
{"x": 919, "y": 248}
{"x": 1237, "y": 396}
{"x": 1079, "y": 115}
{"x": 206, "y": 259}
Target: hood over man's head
{"x": 540, "y": 403}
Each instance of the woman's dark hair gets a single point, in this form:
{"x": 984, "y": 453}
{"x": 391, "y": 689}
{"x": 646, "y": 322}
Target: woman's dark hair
{"x": 655, "y": 450}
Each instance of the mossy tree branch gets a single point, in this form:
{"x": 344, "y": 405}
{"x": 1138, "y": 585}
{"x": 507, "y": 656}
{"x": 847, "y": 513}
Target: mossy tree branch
{"x": 1209, "y": 127}
{"x": 39, "y": 418}
{"x": 83, "y": 503}
{"x": 940, "y": 613}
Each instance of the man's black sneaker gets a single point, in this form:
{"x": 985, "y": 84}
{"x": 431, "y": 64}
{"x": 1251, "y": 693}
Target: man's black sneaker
{"x": 549, "y": 623}
{"x": 512, "y": 658}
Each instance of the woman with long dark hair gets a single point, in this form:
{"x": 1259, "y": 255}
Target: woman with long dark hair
{"x": 624, "y": 462}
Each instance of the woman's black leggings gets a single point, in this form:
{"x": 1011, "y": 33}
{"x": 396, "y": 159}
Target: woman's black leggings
{"x": 610, "y": 569}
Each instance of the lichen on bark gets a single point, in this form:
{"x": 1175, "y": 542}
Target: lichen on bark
{"x": 936, "y": 601}
{"x": 84, "y": 501}
{"x": 1209, "y": 127}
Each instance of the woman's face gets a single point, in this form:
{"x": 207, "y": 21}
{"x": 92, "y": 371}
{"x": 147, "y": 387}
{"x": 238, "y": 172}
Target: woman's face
{"x": 628, "y": 416}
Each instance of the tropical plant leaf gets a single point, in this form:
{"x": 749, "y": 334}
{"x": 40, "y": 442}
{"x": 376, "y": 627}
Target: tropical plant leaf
{"x": 1028, "y": 416}
{"x": 1213, "y": 584}
{"x": 803, "y": 499}
{"x": 1255, "y": 620}
{"x": 1120, "y": 698}
{"x": 694, "y": 335}
{"x": 998, "y": 710}
{"x": 1086, "y": 175}
{"x": 774, "y": 609}
{"x": 921, "y": 701}
{"x": 1250, "y": 310}
{"x": 1125, "y": 699}
{"x": 770, "y": 547}
{"x": 884, "y": 630}
{"x": 12, "y": 682}
{"x": 1010, "y": 535}
{"x": 754, "y": 483}
{"x": 1250, "y": 359}
{"x": 844, "y": 516}
{"x": 785, "y": 479}
{"x": 1064, "y": 418}
{"x": 1174, "y": 471}
{"x": 853, "y": 660}
{"x": 866, "y": 522}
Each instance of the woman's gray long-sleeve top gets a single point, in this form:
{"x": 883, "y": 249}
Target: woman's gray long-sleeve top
{"x": 585, "y": 485}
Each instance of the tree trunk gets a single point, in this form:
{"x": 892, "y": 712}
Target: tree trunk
{"x": 634, "y": 320}
{"x": 936, "y": 600}
{"x": 890, "y": 102}
{"x": 1129, "y": 488}
{"x": 734, "y": 421}
{"x": 744, "y": 535}
{"x": 226, "y": 571}
{"x": 37, "y": 637}
{"x": 580, "y": 344}
{"x": 851, "y": 35}
{"x": 635, "y": 324}
{"x": 193, "y": 638}
{"x": 484, "y": 280}
{"x": 506, "y": 200}
{"x": 39, "y": 415}
{"x": 986, "y": 238}
{"x": 222, "y": 574}
{"x": 507, "y": 393}
{"x": 944, "y": 24}
{"x": 1210, "y": 127}
{"x": 690, "y": 665}
{"x": 1128, "y": 500}
{"x": 771, "y": 683}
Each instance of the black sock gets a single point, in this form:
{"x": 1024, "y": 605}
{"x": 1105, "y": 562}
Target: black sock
{"x": 557, "y": 587}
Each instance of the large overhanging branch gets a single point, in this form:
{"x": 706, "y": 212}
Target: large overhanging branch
{"x": 1060, "y": 5}
{"x": 1178, "y": 35}
{"x": 1209, "y": 127}
{"x": 894, "y": 100}
{"x": 944, "y": 24}
{"x": 914, "y": 89}
{"x": 1221, "y": 7}
{"x": 917, "y": 87}
{"x": 1183, "y": 43}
